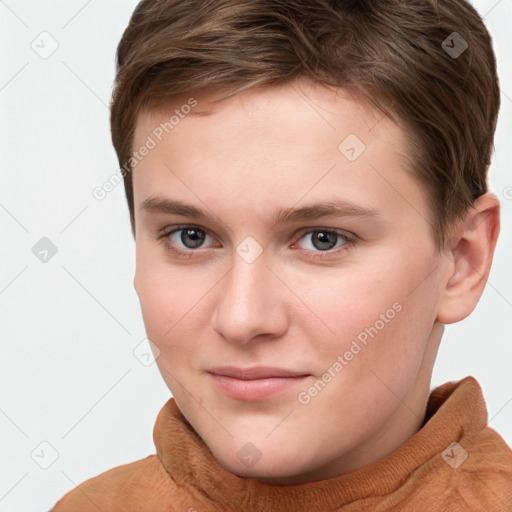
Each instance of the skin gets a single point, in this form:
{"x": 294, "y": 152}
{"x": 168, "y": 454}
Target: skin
{"x": 288, "y": 308}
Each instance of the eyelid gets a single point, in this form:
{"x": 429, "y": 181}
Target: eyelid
{"x": 166, "y": 232}
{"x": 348, "y": 236}
{"x": 178, "y": 227}
{"x": 341, "y": 232}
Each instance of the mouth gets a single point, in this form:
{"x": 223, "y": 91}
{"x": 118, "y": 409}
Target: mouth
{"x": 257, "y": 383}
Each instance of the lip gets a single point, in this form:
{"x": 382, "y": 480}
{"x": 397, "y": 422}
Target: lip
{"x": 256, "y": 383}
{"x": 255, "y": 372}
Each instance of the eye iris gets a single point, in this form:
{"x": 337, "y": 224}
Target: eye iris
{"x": 197, "y": 240}
{"x": 322, "y": 238}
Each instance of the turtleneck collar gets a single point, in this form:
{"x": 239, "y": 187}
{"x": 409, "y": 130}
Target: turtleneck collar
{"x": 455, "y": 411}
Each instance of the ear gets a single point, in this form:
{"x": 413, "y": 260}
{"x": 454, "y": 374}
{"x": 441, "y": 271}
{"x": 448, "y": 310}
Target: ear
{"x": 470, "y": 253}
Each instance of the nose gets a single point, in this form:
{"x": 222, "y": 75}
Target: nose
{"x": 251, "y": 301}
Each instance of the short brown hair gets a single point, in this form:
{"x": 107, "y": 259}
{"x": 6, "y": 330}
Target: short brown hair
{"x": 408, "y": 57}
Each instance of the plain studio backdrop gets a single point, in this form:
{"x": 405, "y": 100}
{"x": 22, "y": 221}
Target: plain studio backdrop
{"x": 78, "y": 396}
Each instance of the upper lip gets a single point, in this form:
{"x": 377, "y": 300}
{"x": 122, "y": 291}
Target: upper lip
{"x": 255, "y": 372}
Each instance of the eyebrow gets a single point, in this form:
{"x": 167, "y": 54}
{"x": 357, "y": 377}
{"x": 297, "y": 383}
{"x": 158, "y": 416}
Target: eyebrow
{"x": 338, "y": 208}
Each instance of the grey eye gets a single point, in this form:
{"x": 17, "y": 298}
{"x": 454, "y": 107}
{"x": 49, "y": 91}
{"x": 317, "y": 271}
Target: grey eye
{"x": 191, "y": 238}
{"x": 324, "y": 240}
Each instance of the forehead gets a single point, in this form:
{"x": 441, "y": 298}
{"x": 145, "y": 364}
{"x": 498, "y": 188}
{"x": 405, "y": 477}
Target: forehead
{"x": 272, "y": 106}
{"x": 277, "y": 144}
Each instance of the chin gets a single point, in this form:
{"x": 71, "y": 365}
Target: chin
{"x": 267, "y": 473}
{"x": 250, "y": 462}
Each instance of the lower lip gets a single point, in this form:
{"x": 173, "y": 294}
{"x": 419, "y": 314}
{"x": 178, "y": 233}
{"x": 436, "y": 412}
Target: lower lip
{"x": 255, "y": 389}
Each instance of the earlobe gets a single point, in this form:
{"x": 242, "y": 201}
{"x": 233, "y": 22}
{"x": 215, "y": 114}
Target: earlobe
{"x": 470, "y": 256}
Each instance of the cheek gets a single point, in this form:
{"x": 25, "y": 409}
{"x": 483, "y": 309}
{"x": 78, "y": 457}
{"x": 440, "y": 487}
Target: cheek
{"x": 372, "y": 316}
{"x": 176, "y": 307}
{"x": 166, "y": 298}
{"x": 381, "y": 333}
{"x": 167, "y": 309}
{"x": 348, "y": 303}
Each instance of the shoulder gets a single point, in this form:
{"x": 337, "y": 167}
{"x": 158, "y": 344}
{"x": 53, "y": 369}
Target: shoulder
{"x": 486, "y": 474}
{"x": 138, "y": 484}
{"x": 473, "y": 476}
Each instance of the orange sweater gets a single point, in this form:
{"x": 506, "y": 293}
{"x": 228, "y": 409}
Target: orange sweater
{"x": 427, "y": 473}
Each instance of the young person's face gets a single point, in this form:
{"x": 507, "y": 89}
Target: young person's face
{"x": 353, "y": 314}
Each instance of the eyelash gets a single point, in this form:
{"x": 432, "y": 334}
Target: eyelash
{"x": 350, "y": 241}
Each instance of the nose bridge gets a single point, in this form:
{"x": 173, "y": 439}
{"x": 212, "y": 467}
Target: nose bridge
{"x": 247, "y": 302}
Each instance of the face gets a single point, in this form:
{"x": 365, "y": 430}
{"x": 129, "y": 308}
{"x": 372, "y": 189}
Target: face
{"x": 295, "y": 319}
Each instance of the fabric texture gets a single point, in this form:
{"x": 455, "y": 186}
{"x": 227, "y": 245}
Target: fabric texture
{"x": 427, "y": 473}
